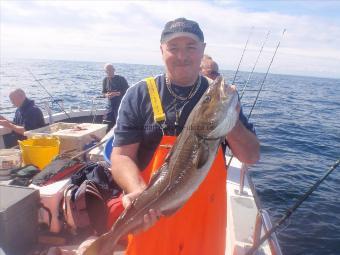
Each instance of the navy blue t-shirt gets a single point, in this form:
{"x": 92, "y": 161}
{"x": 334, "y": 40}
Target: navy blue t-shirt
{"x": 135, "y": 122}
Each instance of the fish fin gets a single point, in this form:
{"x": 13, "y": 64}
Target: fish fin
{"x": 172, "y": 150}
{"x": 156, "y": 174}
{"x": 203, "y": 154}
{"x": 99, "y": 244}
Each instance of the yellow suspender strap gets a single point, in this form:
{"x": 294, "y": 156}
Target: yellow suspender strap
{"x": 157, "y": 108}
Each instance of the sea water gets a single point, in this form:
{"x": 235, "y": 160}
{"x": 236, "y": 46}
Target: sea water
{"x": 297, "y": 121}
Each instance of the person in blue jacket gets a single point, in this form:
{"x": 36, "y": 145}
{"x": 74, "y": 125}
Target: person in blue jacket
{"x": 28, "y": 116}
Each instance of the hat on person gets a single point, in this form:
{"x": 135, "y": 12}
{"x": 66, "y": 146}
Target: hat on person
{"x": 182, "y": 27}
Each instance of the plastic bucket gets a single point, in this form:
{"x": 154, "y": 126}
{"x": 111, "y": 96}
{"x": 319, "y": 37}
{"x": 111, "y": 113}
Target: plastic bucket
{"x": 39, "y": 151}
{"x": 9, "y": 159}
{"x": 108, "y": 150}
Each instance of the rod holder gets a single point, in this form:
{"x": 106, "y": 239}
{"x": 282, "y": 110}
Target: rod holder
{"x": 257, "y": 229}
{"x": 49, "y": 112}
{"x": 243, "y": 171}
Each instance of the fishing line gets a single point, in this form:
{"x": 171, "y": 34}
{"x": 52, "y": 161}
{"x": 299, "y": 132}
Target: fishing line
{"x": 7, "y": 108}
{"x": 245, "y": 47}
{"x": 289, "y": 211}
{"x": 265, "y": 77}
{"x": 54, "y": 100}
{"x": 257, "y": 59}
{"x": 261, "y": 87}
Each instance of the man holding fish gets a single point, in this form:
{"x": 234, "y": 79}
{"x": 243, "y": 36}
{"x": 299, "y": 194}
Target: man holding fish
{"x": 167, "y": 158}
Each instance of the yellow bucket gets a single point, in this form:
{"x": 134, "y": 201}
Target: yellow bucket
{"x": 39, "y": 151}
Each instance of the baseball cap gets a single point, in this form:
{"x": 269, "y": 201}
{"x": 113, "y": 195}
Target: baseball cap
{"x": 181, "y": 27}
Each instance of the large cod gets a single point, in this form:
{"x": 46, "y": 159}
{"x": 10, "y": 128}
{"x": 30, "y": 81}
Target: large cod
{"x": 185, "y": 166}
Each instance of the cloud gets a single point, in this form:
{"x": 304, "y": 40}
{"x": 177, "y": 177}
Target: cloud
{"x": 129, "y": 31}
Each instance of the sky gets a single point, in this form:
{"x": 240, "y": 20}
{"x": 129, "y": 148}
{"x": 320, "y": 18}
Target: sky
{"x": 129, "y": 32}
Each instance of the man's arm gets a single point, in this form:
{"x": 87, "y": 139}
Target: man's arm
{"x": 242, "y": 139}
{"x": 127, "y": 175}
{"x": 244, "y": 144}
{"x": 10, "y": 125}
{"x": 16, "y": 128}
{"x": 124, "y": 168}
{"x": 125, "y": 86}
{"x": 104, "y": 89}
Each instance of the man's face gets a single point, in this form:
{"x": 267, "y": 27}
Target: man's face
{"x": 110, "y": 71}
{"x": 206, "y": 70}
{"x": 16, "y": 99}
{"x": 182, "y": 57}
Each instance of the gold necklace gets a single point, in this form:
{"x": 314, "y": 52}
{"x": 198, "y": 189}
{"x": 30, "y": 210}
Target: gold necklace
{"x": 191, "y": 93}
{"x": 186, "y": 99}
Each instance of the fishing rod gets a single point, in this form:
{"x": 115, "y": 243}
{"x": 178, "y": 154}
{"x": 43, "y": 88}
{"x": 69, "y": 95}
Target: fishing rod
{"x": 245, "y": 47}
{"x": 89, "y": 149}
{"x": 265, "y": 77}
{"x": 289, "y": 211}
{"x": 257, "y": 59}
{"x": 54, "y": 100}
{"x": 261, "y": 87}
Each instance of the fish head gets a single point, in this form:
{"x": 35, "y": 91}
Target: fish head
{"x": 215, "y": 114}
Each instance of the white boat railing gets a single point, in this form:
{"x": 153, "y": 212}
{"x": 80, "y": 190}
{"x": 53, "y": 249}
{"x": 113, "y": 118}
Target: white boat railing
{"x": 262, "y": 217}
{"x": 247, "y": 222}
{"x": 273, "y": 242}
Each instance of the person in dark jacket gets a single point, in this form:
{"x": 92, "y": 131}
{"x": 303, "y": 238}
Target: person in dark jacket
{"x": 28, "y": 116}
{"x": 114, "y": 88}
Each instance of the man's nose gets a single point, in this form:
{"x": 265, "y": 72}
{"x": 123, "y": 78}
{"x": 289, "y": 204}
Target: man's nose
{"x": 182, "y": 54}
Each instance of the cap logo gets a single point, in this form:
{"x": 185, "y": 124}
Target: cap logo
{"x": 177, "y": 24}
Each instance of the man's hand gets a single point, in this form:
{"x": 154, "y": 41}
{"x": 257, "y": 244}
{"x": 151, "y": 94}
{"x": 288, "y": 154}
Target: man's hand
{"x": 5, "y": 123}
{"x": 149, "y": 219}
{"x": 112, "y": 94}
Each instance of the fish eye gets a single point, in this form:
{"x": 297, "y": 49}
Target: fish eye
{"x": 207, "y": 99}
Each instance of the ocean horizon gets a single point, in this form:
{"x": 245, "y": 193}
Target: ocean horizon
{"x": 13, "y": 59}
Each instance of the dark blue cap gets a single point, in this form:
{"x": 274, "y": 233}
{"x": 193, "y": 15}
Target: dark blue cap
{"x": 182, "y": 27}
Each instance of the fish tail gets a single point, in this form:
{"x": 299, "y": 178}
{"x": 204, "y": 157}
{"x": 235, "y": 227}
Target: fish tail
{"x": 104, "y": 245}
